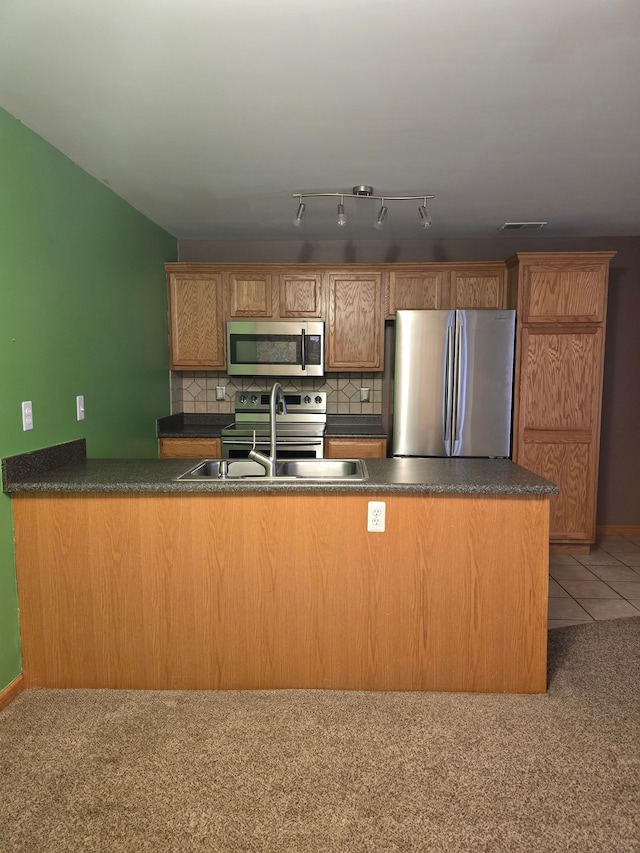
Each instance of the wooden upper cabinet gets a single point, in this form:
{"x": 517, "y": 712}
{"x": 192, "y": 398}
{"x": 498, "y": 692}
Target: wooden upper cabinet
{"x": 300, "y": 295}
{"x": 356, "y": 322}
{"x": 196, "y": 321}
{"x": 250, "y": 294}
{"x": 417, "y": 289}
{"x": 479, "y": 286}
{"x": 447, "y": 286}
{"x": 564, "y": 289}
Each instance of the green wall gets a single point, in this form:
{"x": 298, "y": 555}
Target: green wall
{"x": 82, "y": 311}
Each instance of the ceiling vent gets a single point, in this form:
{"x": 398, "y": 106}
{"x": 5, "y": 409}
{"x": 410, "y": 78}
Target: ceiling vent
{"x": 522, "y": 226}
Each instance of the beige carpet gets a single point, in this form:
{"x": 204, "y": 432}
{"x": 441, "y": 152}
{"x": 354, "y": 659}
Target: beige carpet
{"x": 332, "y": 771}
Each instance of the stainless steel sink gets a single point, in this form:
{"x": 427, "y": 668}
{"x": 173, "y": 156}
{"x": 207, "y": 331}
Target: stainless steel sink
{"x": 323, "y": 469}
{"x": 288, "y": 469}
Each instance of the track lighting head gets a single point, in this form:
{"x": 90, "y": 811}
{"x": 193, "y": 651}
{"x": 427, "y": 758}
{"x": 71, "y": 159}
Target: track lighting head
{"x": 363, "y": 191}
{"x": 300, "y": 213}
{"x": 342, "y": 219}
{"x": 425, "y": 216}
{"x": 382, "y": 215}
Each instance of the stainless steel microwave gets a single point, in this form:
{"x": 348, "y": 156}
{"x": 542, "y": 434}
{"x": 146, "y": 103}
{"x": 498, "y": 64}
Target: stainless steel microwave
{"x": 289, "y": 348}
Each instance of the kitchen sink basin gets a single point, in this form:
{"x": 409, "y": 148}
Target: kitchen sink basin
{"x": 288, "y": 469}
{"x": 322, "y": 469}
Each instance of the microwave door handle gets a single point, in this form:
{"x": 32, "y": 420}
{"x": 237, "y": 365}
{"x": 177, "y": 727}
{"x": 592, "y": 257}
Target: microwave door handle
{"x": 303, "y": 348}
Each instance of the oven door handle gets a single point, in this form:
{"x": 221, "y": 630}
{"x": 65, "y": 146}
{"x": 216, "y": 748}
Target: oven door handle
{"x": 307, "y": 441}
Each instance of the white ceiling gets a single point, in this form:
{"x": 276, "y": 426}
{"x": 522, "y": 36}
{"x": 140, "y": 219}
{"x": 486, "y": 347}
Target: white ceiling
{"x": 207, "y": 115}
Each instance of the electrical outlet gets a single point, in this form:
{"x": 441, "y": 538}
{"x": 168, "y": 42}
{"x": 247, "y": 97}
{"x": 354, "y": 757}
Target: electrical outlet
{"x": 220, "y": 392}
{"x": 365, "y": 395}
{"x": 80, "y": 407}
{"x": 27, "y": 415}
{"x": 376, "y": 516}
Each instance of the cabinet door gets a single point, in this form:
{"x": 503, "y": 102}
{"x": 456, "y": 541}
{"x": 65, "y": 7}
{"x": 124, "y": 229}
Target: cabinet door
{"x": 196, "y": 322}
{"x": 250, "y": 294}
{"x": 356, "y": 322}
{"x": 558, "y": 426}
{"x": 358, "y": 448}
{"x": 189, "y": 448}
{"x": 417, "y": 289}
{"x": 478, "y": 289}
{"x": 564, "y": 292}
{"x": 301, "y": 295}
{"x": 568, "y": 465}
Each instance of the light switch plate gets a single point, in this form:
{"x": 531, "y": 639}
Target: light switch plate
{"x": 27, "y": 415}
{"x": 80, "y": 407}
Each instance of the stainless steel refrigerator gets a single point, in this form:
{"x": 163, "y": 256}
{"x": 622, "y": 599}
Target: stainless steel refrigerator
{"x": 453, "y": 383}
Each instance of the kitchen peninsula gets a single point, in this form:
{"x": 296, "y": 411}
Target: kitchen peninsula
{"x": 129, "y": 578}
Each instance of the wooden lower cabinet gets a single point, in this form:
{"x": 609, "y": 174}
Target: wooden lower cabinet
{"x": 358, "y": 448}
{"x": 189, "y": 448}
{"x": 205, "y": 591}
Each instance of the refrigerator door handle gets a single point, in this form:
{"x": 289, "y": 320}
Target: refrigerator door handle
{"x": 460, "y": 382}
{"x": 448, "y": 388}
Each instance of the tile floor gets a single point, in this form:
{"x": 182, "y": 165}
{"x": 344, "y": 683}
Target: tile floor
{"x": 604, "y": 584}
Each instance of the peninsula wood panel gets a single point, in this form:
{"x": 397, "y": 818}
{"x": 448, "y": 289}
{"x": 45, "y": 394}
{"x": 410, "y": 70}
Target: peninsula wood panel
{"x": 360, "y": 448}
{"x": 189, "y": 448}
{"x": 356, "y": 322}
{"x": 196, "y": 321}
{"x": 161, "y": 591}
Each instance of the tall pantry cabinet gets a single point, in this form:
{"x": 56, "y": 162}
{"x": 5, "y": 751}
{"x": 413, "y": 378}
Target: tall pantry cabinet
{"x": 561, "y": 304}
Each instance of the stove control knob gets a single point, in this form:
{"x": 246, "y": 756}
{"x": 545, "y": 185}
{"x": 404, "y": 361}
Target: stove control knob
{"x": 318, "y": 399}
{"x": 242, "y": 399}
{"x": 307, "y": 399}
{"x": 254, "y": 399}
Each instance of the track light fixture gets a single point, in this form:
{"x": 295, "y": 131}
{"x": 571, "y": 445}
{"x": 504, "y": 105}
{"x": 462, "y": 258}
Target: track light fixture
{"x": 300, "y": 213}
{"x": 382, "y": 215}
{"x": 342, "y": 219}
{"x": 365, "y": 191}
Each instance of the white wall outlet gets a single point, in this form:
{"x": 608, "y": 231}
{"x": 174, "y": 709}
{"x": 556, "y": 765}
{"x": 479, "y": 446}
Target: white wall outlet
{"x": 220, "y": 392}
{"x": 365, "y": 395}
{"x": 376, "y": 516}
{"x": 27, "y": 415}
{"x": 80, "y": 407}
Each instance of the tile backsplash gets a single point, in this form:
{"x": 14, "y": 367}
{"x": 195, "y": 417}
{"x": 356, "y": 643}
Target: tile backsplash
{"x": 196, "y": 391}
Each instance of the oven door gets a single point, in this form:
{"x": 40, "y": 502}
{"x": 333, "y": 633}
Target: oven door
{"x": 275, "y": 349}
{"x": 287, "y": 448}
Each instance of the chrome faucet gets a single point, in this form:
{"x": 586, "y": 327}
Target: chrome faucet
{"x": 269, "y": 462}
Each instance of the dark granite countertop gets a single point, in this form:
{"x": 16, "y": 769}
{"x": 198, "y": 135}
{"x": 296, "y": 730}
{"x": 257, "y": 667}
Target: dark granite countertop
{"x": 354, "y": 426}
{"x": 62, "y": 469}
{"x": 185, "y": 425}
